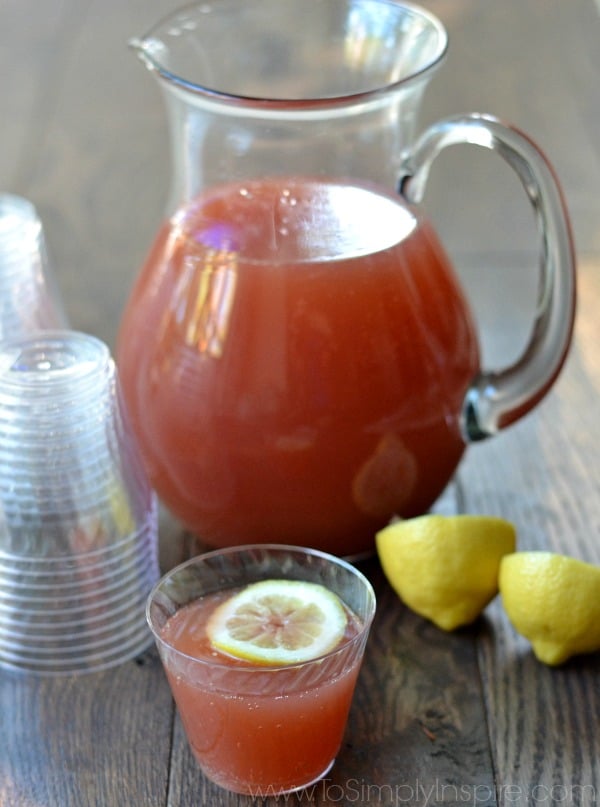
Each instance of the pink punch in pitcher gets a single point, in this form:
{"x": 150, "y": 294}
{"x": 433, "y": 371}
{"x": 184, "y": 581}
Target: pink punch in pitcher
{"x": 297, "y": 355}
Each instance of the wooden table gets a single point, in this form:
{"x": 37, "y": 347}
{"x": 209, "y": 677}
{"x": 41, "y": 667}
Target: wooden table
{"x": 463, "y": 718}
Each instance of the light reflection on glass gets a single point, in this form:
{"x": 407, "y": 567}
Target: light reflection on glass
{"x": 209, "y": 305}
{"x": 203, "y": 295}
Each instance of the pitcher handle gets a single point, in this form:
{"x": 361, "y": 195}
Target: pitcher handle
{"x": 497, "y": 398}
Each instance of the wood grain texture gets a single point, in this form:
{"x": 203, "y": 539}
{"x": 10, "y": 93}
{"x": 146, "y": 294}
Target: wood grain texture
{"x": 544, "y": 475}
{"x": 467, "y": 718}
{"x": 78, "y": 741}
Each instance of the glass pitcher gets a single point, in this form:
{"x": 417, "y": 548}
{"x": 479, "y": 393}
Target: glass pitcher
{"x": 299, "y": 359}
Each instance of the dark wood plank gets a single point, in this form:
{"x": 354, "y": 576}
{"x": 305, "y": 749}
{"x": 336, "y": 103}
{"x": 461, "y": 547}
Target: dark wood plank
{"x": 543, "y": 474}
{"x": 78, "y": 741}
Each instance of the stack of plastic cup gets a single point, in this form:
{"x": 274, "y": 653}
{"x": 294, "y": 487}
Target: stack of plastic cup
{"x": 78, "y": 519}
{"x": 29, "y": 298}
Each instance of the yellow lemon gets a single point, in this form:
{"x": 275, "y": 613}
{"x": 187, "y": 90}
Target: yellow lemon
{"x": 554, "y": 601}
{"x": 445, "y": 567}
{"x": 278, "y": 622}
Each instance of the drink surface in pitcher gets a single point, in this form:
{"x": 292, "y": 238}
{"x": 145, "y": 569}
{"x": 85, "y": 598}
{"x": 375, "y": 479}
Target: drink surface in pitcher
{"x": 295, "y": 355}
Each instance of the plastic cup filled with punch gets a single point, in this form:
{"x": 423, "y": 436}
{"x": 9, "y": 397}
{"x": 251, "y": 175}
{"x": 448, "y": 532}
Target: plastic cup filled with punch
{"x": 262, "y": 646}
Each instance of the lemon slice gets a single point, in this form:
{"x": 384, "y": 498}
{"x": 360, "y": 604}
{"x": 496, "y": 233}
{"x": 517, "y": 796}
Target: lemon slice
{"x": 278, "y": 622}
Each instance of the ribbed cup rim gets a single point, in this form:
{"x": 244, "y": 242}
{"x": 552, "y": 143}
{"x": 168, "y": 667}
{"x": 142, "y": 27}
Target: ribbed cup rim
{"x": 50, "y": 365}
{"x": 83, "y": 630}
{"x": 92, "y": 558}
{"x": 86, "y": 617}
{"x": 28, "y": 645}
{"x": 118, "y": 568}
{"x": 88, "y": 663}
{"x": 97, "y": 601}
{"x": 82, "y": 589}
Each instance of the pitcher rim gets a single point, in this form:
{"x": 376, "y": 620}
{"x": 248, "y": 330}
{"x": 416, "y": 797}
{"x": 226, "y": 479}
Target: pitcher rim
{"x": 140, "y": 45}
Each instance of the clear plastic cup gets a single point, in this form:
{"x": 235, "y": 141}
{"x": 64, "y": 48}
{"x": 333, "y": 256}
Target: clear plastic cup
{"x": 106, "y": 626}
{"x": 64, "y": 567}
{"x": 77, "y": 594}
{"x": 29, "y": 297}
{"x": 87, "y": 568}
{"x": 71, "y": 478}
{"x": 252, "y": 727}
{"x": 78, "y": 518}
{"x": 71, "y": 635}
{"x": 30, "y": 621}
{"x": 114, "y": 625}
{"x": 74, "y": 646}
{"x": 92, "y": 660}
{"x": 61, "y": 606}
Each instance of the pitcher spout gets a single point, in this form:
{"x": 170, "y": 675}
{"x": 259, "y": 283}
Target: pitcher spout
{"x": 147, "y": 50}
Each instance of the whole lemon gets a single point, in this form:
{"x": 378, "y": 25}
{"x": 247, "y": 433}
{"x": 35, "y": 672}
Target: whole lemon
{"x": 445, "y": 568}
{"x": 554, "y": 601}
